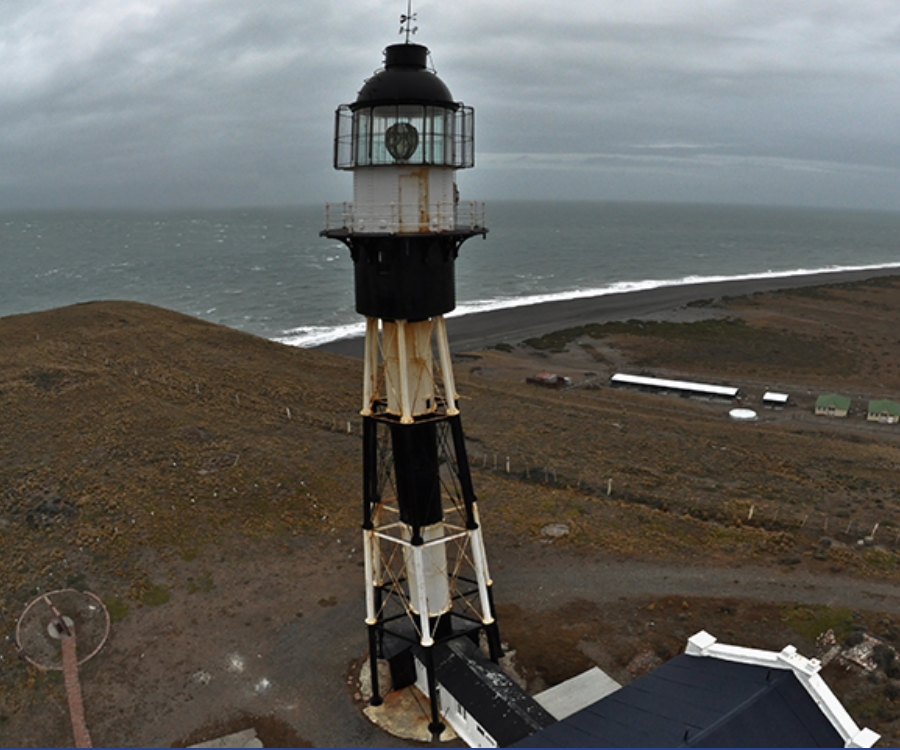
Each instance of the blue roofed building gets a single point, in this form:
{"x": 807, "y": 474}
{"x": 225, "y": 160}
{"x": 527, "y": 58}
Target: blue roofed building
{"x": 715, "y": 695}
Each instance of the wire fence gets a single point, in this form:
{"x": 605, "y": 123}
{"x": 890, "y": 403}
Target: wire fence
{"x": 881, "y": 527}
{"x": 861, "y": 528}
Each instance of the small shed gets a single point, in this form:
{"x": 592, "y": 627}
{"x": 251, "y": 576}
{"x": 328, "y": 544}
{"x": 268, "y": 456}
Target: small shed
{"x": 715, "y": 695}
{"x": 478, "y": 699}
{"x": 832, "y": 405}
{"x": 773, "y": 400}
{"x": 884, "y": 411}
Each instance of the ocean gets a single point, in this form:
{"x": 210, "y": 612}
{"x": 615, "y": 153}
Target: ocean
{"x": 267, "y": 271}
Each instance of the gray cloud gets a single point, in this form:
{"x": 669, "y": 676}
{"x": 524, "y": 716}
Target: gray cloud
{"x": 223, "y": 102}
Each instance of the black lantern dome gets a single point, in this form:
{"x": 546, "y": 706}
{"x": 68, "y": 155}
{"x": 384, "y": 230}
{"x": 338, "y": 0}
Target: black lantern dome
{"x": 405, "y": 78}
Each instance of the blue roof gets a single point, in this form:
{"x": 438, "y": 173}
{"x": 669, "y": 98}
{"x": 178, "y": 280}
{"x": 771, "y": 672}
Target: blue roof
{"x": 695, "y": 701}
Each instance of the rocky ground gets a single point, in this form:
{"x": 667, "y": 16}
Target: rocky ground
{"x": 205, "y": 484}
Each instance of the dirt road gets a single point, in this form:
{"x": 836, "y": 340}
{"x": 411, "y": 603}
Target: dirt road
{"x": 545, "y": 579}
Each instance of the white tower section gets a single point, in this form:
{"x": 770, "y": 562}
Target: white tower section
{"x": 404, "y": 199}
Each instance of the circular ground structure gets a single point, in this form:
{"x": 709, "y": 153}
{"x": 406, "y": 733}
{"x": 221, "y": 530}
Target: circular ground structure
{"x": 555, "y": 530}
{"x": 742, "y": 415}
{"x": 39, "y": 638}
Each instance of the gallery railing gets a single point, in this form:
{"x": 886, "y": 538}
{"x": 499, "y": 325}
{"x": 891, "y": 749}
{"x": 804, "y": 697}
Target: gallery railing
{"x": 398, "y": 218}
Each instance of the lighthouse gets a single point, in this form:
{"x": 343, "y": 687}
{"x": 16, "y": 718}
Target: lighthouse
{"x": 427, "y": 581}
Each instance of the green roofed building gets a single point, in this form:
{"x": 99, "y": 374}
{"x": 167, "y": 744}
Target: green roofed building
{"x": 832, "y": 405}
{"x": 882, "y": 410}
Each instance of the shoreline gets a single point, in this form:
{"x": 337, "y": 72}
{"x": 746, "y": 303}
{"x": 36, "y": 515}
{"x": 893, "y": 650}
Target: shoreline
{"x": 514, "y": 324}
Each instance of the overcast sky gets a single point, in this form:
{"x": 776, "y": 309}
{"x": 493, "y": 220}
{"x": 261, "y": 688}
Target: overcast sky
{"x": 186, "y": 103}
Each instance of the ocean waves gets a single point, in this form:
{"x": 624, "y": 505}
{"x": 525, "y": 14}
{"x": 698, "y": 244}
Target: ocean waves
{"x": 268, "y": 272}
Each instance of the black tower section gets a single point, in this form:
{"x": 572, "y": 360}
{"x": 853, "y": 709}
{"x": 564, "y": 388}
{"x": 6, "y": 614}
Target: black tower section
{"x": 409, "y": 278}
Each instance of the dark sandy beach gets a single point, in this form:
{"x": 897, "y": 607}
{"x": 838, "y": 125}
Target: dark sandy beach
{"x": 512, "y": 325}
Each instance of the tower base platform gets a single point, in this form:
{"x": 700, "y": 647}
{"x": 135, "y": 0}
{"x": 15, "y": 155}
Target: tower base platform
{"x": 404, "y": 713}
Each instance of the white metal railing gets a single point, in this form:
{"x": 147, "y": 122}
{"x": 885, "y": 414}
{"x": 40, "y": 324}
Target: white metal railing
{"x": 394, "y": 218}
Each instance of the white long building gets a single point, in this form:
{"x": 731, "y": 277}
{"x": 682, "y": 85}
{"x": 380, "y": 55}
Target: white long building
{"x": 682, "y": 387}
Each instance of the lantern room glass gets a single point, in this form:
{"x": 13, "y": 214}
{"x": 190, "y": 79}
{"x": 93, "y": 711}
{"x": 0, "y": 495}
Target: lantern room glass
{"x": 431, "y": 123}
{"x": 444, "y": 135}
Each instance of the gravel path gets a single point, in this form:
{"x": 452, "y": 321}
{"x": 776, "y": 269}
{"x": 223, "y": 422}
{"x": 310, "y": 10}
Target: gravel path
{"x": 529, "y": 580}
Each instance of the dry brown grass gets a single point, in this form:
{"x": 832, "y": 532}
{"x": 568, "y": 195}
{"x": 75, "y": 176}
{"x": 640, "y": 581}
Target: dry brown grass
{"x": 127, "y": 428}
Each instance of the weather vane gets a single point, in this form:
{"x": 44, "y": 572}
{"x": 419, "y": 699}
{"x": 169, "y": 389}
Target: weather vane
{"x": 406, "y": 20}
